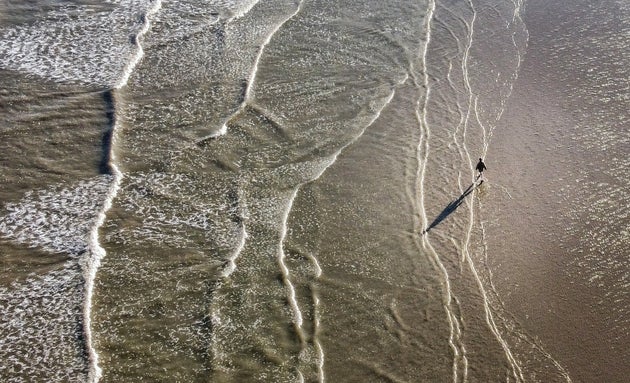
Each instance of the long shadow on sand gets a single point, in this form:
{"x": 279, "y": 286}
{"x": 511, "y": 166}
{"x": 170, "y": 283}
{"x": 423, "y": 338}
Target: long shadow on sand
{"x": 451, "y": 207}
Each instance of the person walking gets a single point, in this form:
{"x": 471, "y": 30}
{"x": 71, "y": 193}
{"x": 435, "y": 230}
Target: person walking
{"x": 480, "y": 168}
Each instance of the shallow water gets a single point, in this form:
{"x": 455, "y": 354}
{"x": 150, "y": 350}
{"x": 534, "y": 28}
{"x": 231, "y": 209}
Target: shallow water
{"x": 284, "y": 191}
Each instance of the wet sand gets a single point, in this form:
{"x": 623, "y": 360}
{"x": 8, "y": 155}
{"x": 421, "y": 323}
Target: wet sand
{"x": 541, "y": 255}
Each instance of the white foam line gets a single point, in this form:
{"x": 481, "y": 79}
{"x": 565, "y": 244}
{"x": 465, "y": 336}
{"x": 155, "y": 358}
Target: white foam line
{"x": 297, "y": 314}
{"x": 540, "y": 349}
{"x": 318, "y": 268}
{"x": 252, "y": 75}
{"x": 421, "y": 168}
{"x": 229, "y": 269}
{"x": 459, "y": 351}
{"x": 90, "y": 266}
{"x": 254, "y": 71}
{"x": 318, "y": 345}
{"x": 517, "y": 10}
{"x": 320, "y": 365}
{"x": 484, "y": 131}
{"x": 96, "y": 252}
{"x": 135, "y": 59}
{"x": 446, "y": 26}
{"x": 243, "y": 11}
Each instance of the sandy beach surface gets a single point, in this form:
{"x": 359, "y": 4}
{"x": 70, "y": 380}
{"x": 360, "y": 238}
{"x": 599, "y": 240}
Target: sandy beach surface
{"x": 559, "y": 167}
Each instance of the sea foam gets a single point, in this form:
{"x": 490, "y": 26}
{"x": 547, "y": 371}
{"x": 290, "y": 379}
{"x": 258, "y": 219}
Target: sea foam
{"x": 57, "y": 219}
{"x": 79, "y": 44}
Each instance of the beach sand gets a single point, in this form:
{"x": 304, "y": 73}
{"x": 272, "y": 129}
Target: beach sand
{"x": 559, "y": 252}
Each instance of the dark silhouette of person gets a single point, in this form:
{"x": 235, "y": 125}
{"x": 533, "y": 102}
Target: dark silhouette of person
{"x": 480, "y": 167}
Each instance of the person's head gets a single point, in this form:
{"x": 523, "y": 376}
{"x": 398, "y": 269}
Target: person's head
{"x": 480, "y": 159}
